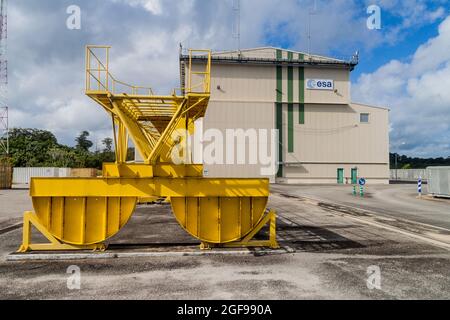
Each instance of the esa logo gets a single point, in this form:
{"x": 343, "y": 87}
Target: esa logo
{"x": 319, "y": 84}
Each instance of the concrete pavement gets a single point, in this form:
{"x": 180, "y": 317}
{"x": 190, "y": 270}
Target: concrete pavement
{"x": 332, "y": 257}
{"x": 398, "y": 201}
{"x": 13, "y": 203}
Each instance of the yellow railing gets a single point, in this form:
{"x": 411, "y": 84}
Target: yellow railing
{"x": 99, "y": 79}
{"x": 205, "y": 75}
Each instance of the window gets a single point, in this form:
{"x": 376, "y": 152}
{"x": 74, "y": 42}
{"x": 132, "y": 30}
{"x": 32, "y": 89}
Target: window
{"x": 364, "y": 118}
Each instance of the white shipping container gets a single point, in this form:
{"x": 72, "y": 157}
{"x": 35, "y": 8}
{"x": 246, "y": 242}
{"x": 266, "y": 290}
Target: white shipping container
{"x": 24, "y": 175}
{"x": 439, "y": 181}
{"x": 64, "y": 172}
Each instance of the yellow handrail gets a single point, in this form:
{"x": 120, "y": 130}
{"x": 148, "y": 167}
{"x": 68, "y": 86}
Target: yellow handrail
{"x": 99, "y": 78}
{"x": 206, "y": 81}
{"x": 109, "y": 83}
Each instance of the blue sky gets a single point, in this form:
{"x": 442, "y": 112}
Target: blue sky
{"x": 402, "y": 49}
{"x": 404, "y": 66}
{"x": 372, "y": 58}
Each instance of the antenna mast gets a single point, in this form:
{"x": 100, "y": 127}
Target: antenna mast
{"x": 237, "y": 23}
{"x": 311, "y": 12}
{"x": 4, "y": 123}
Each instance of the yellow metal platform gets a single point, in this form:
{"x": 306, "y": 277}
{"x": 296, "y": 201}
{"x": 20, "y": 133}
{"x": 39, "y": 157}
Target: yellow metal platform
{"x": 82, "y": 213}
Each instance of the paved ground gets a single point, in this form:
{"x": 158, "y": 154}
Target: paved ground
{"x": 13, "y": 203}
{"x": 397, "y": 200}
{"x": 332, "y": 255}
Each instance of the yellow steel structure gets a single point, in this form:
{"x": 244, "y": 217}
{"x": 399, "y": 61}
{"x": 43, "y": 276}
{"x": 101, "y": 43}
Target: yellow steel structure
{"x": 82, "y": 213}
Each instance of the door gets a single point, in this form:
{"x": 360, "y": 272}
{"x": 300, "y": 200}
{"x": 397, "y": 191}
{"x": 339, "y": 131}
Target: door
{"x": 354, "y": 176}
{"x": 340, "y": 176}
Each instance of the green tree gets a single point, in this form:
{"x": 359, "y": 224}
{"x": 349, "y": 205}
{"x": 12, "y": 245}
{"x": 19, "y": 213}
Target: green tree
{"x": 107, "y": 142}
{"x": 65, "y": 157}
{"x": 83, "y": 143}
{"x": 131, "y": 154}
{"x": 30, "y": 147}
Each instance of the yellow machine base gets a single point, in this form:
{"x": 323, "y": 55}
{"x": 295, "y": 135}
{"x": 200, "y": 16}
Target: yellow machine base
{"x": 30, "y": 219}
{"x": 83, "y": 213}
{"x": 247, "y": 242}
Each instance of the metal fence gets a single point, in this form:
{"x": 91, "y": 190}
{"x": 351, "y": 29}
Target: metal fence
{"x": 408, "y": 174}
{"x": 5, "y": 176}
{"x": 439, "y": 181}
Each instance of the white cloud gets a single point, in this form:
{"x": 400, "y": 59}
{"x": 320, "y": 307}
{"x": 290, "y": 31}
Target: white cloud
{"x": 412, "y": 14}
{"x": 47, "y": 60}
{"x": 152, "y": 6}
{"x": 418, "y": 94}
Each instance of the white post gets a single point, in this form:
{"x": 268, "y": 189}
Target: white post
{"x": 419, "y": 186}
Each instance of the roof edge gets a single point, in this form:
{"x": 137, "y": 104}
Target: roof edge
{"x": 369, "y": 106}
{"x": 278, "y": 48}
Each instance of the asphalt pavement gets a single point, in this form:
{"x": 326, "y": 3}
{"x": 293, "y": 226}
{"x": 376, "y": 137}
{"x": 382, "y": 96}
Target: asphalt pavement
{"x": 331, "y": 256}
{"x": 395, "y": 200}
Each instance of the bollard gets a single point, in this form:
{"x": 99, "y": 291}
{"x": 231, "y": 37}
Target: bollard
{"x": 419, "y": 186}
{"x": 362, "y": 183}
{"x": 354, "y": 191}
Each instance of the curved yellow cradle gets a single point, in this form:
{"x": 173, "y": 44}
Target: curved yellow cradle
{"x": 82, "y": 213}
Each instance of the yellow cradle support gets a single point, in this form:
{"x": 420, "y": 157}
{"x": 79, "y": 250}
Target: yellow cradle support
{"x": 82, "y": 213}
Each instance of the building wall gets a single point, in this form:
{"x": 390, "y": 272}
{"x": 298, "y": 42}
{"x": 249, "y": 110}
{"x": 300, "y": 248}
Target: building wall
{"x": 223, "y": 115}
{"x": 321, "y": 130}
{"x": 235, "y": 85}
{"x": 332, "y": 137}
{"x": 333, "y": 133}
{"x": 326, "y": 173}
{"x": 230, "y": 82}
{"x": 341, "y": 94}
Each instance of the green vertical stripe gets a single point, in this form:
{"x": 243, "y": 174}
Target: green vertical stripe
{"x": 290, "y": 79}
{"x": 290, "y": 56}
{"x": 301, "y": 111}
{"x": 290, "y": 128}
{"x": 301, "y": 86}
{"x": 279, "y": 113}
{"x": 290, "y": 71}
{"x": 279, "y": 120}
{"x": 279, "y": 78}
{"x": 301, "y": 56}
{"x": 279, "y": 84}
{"x": 279, "y": 54}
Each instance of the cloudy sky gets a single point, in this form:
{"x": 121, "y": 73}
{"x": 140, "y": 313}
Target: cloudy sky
{"x": 405, "y": 65}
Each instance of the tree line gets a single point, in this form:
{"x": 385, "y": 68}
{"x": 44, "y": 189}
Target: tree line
{"x": 40, "y": 148}
{"x": 404, "y": 162}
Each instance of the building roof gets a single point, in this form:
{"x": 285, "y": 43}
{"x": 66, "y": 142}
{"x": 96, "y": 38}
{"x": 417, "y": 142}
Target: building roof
{"x": 271, "y": 52}
{"x": 370, "y": 106}
{"x": 278, "y": 56}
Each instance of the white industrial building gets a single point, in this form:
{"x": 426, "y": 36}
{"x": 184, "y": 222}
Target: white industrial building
{"x": 323, "y": 136}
